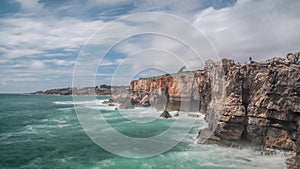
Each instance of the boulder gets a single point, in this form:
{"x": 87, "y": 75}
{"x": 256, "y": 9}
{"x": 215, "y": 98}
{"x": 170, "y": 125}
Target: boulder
{"x": 110, "y": 101}
{"x": 165, "y": 114}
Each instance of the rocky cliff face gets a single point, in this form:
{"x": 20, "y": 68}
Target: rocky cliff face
{"x": 257, "y": 102}
{"x": 180, "y": 91}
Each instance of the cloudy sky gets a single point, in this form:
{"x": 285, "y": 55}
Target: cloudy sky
{"x": 42, "y": 39}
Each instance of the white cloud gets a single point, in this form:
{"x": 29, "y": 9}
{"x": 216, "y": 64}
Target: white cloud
{"x": 260, "y": 29}
{"x": 5, "y": 81}
{"x": 36, "y": 64}
{"x": 106, "y": 62}
{"x": 41, "y": 64}
{"x": 60, "y": 62}
{"x": 128, "y": 48}
{"x": 23, "y": 36}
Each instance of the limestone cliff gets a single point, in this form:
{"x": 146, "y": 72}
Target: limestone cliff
{"x": 258, "y": 102}
{"x": 173, "y": 92}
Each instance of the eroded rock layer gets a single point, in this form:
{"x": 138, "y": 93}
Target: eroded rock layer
{"x": 180, "y": 91}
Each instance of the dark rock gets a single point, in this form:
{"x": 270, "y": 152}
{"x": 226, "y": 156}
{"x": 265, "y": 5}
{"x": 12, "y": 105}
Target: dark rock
{"x": 165, "y": 114}
{"x": 268, "y": 151}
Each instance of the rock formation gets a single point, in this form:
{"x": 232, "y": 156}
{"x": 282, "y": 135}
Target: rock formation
{"x": 165, "y": 114}
{"x": 258, "y": 102}
{"x": 172, "y": 92}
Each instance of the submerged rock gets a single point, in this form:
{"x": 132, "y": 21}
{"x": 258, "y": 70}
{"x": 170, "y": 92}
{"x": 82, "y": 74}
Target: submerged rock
{"x": 268, "y": 151}
{"x": 165, "y": 114}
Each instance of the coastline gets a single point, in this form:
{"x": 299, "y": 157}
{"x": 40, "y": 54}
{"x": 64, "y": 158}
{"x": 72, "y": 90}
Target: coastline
{"x": 102, "y": 90}
{"x": 260, "y": 105}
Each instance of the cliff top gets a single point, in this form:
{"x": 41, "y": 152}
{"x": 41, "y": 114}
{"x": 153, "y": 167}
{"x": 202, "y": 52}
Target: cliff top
{"x": 291, "y": 58}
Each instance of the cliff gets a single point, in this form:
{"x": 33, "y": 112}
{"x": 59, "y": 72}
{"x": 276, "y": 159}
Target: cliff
{"x": 178, "y": 91}
{"x": 258, "y": 102}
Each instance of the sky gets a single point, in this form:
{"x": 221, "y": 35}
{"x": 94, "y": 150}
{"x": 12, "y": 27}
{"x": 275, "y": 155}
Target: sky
{"x": 43, "y": 42}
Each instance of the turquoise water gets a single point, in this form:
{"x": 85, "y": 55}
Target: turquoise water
{"x": 43, "y": 132}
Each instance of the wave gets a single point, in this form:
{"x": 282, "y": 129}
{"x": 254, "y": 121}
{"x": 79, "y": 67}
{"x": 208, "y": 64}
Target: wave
{"x": 91, "y": 102}
{"x": 72, "y": 102}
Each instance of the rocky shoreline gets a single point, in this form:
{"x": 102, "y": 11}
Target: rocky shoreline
{"x": 257, "y": 103}
{"x": 98, "y": 90}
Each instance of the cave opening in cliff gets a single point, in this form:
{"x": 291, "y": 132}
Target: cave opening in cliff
{"x": 245, "y": 102}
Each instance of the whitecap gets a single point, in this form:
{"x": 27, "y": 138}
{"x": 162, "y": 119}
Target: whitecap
{"x": 59, "y": 121}
{"x": 75, "y": 102}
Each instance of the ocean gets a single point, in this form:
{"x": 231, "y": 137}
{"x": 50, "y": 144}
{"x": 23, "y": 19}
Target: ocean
{"x": 43, "y": 131}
